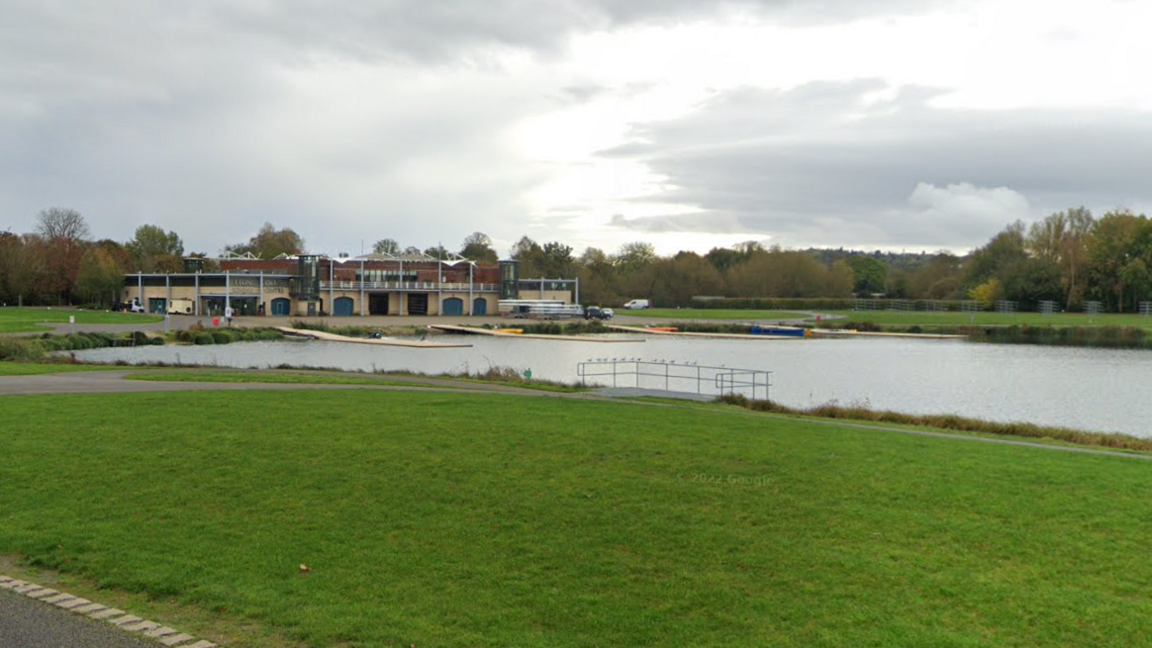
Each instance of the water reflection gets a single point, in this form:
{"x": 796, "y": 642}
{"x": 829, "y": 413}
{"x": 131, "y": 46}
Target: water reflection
{"x": 1094, "y": 389}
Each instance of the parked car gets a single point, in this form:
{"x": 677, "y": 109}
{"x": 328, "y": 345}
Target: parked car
{"x": 608, "y": 313}
{"x": 133, "y": 306}
{"x": 637, "y": 304}
{"x": 595, "y": 313}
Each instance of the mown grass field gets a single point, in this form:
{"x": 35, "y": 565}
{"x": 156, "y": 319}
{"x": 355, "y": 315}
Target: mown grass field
{"x": 712, "y": 314}
{"x": 939, "y": 318}
{"x": 436, "y": 519}
{"x": 28, "y": 319}
{"x": 902, "y": 318}
{"x": 38, "y": 368}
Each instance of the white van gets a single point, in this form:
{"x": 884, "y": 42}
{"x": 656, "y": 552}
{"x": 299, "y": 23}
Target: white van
{"x": 637, "y": 304}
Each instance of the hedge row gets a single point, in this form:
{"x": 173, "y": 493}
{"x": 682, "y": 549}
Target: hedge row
{"x": 226, "y": 336}
{"x": 37, "y": 348}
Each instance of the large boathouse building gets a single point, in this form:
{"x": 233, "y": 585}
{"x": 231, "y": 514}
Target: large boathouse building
{"x": 318, "y": 285}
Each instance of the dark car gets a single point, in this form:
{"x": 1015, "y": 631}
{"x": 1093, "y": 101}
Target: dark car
{"x": 595, "y": 312}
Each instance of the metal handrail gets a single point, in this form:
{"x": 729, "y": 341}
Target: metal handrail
{"x": 406, "y": 285}
{"x": 723, "y": 379}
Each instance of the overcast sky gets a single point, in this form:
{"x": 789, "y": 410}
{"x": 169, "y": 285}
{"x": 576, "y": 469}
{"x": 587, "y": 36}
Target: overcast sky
{"x": 895, "y": 124}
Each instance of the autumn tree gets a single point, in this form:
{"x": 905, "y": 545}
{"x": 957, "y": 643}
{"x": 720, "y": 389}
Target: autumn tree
{"x": 20, "y": 269}
{"x": 1062, "y": 239}
{"x": 63, "y": 233}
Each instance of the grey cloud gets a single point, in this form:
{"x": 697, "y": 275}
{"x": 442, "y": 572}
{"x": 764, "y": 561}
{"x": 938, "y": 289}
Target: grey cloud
{"x": 819, "y": 163}
{"x": 712, "y": 223}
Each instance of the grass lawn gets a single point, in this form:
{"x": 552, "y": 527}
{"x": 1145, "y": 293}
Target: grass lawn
{"x": 441, "y": 519}
{"x": 211, "y": 376}
{"x": 37, "y": 368}
{"x": 712, "y": 314}
{"x": 931, "y": 318}
{"x": 397, "y": 380}
{"x": 25, "y": 320}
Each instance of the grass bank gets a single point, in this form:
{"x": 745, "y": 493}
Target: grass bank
{"x": 953, "y": 319}
{"x": 951, "y": 422}
{"x": 15, "y": 319}
{"x": 462, "y": 520}
{"x": 715, "y": 314}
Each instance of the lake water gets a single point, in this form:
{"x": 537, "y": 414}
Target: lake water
{"x": 1091, "y": 389}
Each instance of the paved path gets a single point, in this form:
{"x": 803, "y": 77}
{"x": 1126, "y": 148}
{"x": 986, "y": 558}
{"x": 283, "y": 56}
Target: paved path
{"x": 28, "y": 623}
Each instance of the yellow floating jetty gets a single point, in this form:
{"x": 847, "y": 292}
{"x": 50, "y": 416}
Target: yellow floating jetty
{"x": 664, "y": 330}
{"x": 332, "y": 337}
{"x": 834, "y": 333}
{"x": 454, "y": 328}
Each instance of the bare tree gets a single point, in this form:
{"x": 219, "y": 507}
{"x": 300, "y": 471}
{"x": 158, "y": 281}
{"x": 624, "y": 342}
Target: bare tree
{"x": 60, "y": 223}
{"x": 386, "y": 246}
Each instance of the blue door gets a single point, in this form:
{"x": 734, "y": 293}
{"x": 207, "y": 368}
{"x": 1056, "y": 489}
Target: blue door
{"x": 453, "y": 306}
{"x": 480, "y": 306}
{"x": 281, "y": 306}
{"x": 342, "y": 307}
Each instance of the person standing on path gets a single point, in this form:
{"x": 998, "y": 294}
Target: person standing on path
{"x": 228, "y": 314}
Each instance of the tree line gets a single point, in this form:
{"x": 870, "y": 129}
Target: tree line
{"x": 1069, "y": 257}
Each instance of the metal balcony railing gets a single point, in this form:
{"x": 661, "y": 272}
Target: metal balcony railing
{"x": 407, "y": 285}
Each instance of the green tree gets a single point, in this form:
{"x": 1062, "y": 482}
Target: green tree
{"x": 478, "y": 247}
{"x": 152, "y": 249}
{"x": 868, "y": 275}
{"x": 677, "y": 280}
{"x": 269, "y": 243}
{"x": 1004, "y": 251}
{"x": 438, "y": 252}
{"x": 634, "y": 257}
{"x": 939, "y": 278}
{"x": 530, "y": 255}
{"x": 556, "y": 260}
{"x": 386, "y": 246}
{"x": 100, "y": 278}
{"x": 1112, "y": 247}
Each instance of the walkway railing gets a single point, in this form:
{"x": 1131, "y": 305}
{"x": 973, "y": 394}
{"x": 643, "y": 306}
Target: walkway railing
{"x": 672, "y": 376}
{"x": 406, "y": 285}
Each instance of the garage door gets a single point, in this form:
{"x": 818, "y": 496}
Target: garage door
{"x": 453, "y": 306}
{"x": 342, "y": 307}
{"x": 280, "y": 306}
{"x": 480, "y": 306}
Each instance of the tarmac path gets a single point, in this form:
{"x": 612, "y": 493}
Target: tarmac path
{"x": 28, "y": 623}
